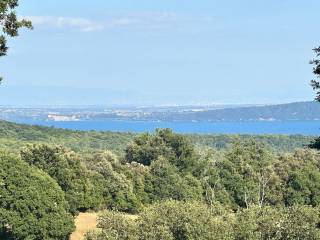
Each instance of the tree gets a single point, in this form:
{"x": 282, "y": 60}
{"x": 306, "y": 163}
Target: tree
{"x": 303, "y": 187}
{"x": 67, "y": 169}
{"x": 32, "y": 205}
{"x": 246, "y": 174}
{"x": 167, "y": 220}
{"x": 165, "y": 182}
{"x": 115, "y": 226}
{"x": 316, "y": 86}
{"x": 147, "y": 148}
{"x": 117, "y": 189}
{"x": 297, "y": 222}
{"x": 180, "y": 220}
{"x": 316, "y": 70}
{"x": 10, "y": 24}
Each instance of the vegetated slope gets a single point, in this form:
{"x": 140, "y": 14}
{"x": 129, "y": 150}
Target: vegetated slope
{"x": 223, "y": 191}
{"x": 13, "y": 136}
{"x": 276, "y": 143}
{"x": 241, "y": 193}
{"x": 281, "y": 112}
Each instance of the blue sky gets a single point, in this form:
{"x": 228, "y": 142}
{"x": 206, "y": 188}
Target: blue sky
{"x": 162, "y": 52}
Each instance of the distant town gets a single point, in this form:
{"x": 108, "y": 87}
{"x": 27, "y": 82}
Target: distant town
{"x": 281, "y": 112}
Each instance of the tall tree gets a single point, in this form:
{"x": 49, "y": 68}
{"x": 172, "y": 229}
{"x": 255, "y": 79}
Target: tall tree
{"x": 316, "y": 86}
{"x": 316, "y": 70}
{"x": 10, "y": 24}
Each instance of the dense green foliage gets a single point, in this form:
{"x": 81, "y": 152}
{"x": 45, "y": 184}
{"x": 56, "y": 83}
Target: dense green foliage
{"x": 147, "y": 148}
{"x": 178, "y": 189}
{"x": 167, "y": 220}
{"x": 110, "y": 176}
{"x": 32, "y": 205}
{"x": 298, "y": 222}
{"x": 316, "y": 86}
{"x": 89, "y": 183}
{"x": 275, "y": 143}
{"x": 14, "y": 136}
{"x": 67, "y": 169}
{"x": 244, "y": 175}
{"x": 250, "y": 192}
{"x": 316, "y": 70}
{"x": 194, "y": 220}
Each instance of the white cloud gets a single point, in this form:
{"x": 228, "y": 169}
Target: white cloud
{"x": 81, "y": 24}
{"x": 88, "y": 25}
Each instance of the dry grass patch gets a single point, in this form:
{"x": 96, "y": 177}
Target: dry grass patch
{"x": 84, "y": 223}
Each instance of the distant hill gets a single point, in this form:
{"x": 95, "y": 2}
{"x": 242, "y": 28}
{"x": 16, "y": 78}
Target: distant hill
{"x": 281, "y": 112}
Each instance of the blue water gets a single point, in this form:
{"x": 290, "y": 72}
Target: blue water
{"x": 259, "y": 127}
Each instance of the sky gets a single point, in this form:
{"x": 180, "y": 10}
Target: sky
{"x": 162, "y": 52}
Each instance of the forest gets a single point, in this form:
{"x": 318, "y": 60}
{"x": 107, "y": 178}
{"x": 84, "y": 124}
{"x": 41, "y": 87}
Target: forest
{"x": 14, "y": 136}
{"x": 173, "y": 187}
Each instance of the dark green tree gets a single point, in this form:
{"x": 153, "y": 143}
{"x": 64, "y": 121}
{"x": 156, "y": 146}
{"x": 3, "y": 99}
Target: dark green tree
{"x": 32, "y": 205}
{"x": 303, "y": 187}
{"x": 147, "y": 148}
{"x": 165, "y": 182}
{"x": 117, "y": 190}
{"x": 10, "y": 24}
{"x": 316, "y": 70}
{"x": 316, "y": 86}
{"x": 66, "y": 168}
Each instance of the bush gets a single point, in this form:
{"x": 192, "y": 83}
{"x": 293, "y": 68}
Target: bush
{"x": 298, "y": 222}
{"x": 169, "y": 220}
{"x": 184, "y": 220}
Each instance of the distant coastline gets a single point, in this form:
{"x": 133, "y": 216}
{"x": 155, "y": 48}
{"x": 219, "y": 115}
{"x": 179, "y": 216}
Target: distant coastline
{"x": 300, "y": 111}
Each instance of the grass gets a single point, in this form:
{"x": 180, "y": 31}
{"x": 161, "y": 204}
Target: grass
{"x": 88, "y": 221}
{"x": 84, "y": 223}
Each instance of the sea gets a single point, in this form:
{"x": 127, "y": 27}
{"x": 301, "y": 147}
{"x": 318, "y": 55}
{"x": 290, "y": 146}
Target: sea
{"x": 251, "y": 127}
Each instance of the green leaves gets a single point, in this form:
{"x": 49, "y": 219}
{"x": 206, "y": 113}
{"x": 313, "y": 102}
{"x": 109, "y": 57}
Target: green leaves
{"x": 298, "y": 222}
{"x": 167, "y": 220}
{"x": 32, "y": 205}
{"x": 244, "y": 192}
{"x": 316, "y": 70}
{"x": 147, "y": 148}
{"x": 193, "y": 220}
{"x": 67, "y": 169}
{"x": 10, "y": 24}
{"x": 3, "y": 46}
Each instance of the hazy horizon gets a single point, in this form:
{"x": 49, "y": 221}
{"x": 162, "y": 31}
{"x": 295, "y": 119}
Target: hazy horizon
{"x": 162, "y": 53}
{"x": 146, "y": 105}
